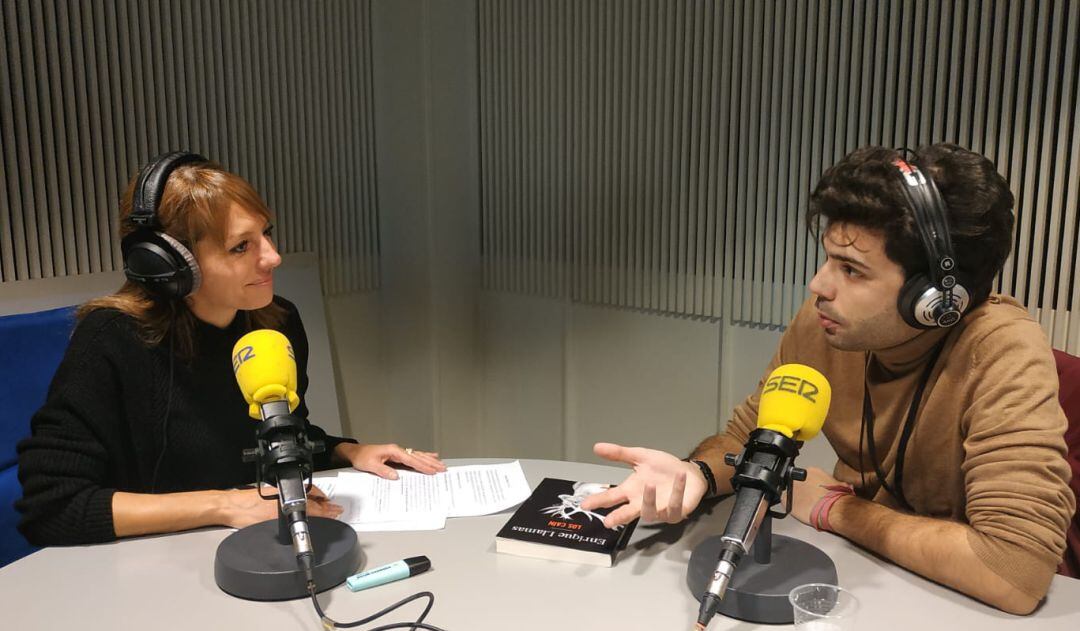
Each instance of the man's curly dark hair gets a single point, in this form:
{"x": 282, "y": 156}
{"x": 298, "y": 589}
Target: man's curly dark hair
{"x": 863, "y": 189}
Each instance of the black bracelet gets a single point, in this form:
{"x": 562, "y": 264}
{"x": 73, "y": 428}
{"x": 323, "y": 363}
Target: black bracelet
{"x": 706, "y": 471}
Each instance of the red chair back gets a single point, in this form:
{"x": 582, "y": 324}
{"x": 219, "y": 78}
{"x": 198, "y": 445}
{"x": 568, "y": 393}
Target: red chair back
{"x": 1068, "y": 369}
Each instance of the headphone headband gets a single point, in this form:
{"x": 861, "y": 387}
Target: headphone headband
{"x": 929, "y": 211}
{"x": 150, "y": 185}
{"x": 934, "y": 299}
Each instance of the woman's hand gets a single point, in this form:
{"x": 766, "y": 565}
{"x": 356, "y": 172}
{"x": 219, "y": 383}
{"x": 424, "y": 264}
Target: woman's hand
{"x": 373, "y": 459}
{"x": 243, "y": 507}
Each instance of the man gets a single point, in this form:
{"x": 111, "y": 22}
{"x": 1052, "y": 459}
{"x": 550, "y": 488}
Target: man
{"x": 979, "y": 499}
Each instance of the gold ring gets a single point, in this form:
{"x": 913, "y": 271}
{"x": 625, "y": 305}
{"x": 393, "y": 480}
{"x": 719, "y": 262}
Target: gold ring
{"x": 409, "y": 450}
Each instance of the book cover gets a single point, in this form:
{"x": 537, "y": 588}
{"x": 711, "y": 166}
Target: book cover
{"x": 551, "y": 524}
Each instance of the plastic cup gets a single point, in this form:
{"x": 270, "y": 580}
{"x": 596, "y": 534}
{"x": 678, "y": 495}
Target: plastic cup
{"x": 823, "y": 607}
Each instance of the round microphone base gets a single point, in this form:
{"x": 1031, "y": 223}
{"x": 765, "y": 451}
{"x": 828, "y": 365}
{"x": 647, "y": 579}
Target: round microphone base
{"x": 759, "y": 592}
{"x": 254, "y": 564}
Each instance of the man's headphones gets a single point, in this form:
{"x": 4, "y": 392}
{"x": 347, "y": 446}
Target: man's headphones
{"x": 937, "y": 300}
{"x": 153, "y": 259}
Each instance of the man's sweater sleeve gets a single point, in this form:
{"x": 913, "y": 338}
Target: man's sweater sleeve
{"x": 64, "y": 465}
{"x": 1018, "y": 498}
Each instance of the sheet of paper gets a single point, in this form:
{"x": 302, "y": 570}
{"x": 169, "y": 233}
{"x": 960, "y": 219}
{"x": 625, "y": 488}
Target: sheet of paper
{"x": 429, "y": 522}
{"x": 484, "y": 489}
{"x": 423, "y": 502}
{"x": 326, "y": 485}
{"x": 367, "y": 499}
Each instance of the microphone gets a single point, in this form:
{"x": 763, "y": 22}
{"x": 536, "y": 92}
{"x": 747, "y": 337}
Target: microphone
{"x": 265, "y": 369}
{"x": 793, "y": 406}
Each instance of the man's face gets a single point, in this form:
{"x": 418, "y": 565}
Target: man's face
{"x": 856, "y": 290}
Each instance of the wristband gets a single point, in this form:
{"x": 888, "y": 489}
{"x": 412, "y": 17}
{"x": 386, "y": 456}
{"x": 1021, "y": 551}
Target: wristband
{"x": 819, "y": 514}
{"x": 706, "y": 471}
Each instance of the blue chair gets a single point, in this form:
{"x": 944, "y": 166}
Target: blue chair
{"x": 31, "y": 346}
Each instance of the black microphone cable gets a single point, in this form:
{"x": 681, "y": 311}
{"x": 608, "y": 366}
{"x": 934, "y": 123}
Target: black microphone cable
{"x": 329, "y": 623}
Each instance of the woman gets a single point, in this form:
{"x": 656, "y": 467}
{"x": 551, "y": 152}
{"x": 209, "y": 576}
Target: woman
{"x": 144, "y": 425}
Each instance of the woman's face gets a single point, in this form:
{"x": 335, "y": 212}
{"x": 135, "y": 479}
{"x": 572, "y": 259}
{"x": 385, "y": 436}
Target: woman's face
{"x": 238, "y": 275}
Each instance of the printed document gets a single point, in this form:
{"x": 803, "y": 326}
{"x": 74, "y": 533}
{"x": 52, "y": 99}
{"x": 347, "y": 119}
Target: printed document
{"x": 416, "y": 501}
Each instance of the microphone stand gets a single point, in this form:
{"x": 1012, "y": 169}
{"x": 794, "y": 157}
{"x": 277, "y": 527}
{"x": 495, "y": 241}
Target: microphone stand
{"x": 271, "y": 560}
{"x": 768, "y": 566}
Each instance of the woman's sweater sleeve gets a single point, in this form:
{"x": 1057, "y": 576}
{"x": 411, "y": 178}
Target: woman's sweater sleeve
{"x": 64, "y": 464}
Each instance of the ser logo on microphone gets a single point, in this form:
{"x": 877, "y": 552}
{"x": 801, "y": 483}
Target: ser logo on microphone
{"x": 245, "y": 354}
{"x": 795, "y": 385}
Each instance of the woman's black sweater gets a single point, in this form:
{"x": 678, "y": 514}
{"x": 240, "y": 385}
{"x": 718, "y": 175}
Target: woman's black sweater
{"x": 103, "y": 427}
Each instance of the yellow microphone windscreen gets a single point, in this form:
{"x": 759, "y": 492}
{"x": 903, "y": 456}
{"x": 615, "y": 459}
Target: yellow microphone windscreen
{"x": 795, "y": 401}
{"x": 265, "y": 369}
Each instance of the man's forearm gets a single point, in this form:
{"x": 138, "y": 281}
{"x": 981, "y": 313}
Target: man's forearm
{"x": 934, "y": 548}
{"x": 711, "y": 451}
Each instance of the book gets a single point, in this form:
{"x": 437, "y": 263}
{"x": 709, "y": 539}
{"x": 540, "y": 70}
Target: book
{"x": 551, "y": 524}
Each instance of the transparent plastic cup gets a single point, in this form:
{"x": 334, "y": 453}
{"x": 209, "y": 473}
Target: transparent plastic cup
{"x": 823, "y": 607}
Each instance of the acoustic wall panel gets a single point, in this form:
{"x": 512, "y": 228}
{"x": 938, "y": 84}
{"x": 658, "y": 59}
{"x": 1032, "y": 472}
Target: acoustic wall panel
{"x": 659, "y": 154}
{"x": 278, "y": 91}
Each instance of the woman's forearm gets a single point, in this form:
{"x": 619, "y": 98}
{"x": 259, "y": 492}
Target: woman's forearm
{"x": 144, "y": 514}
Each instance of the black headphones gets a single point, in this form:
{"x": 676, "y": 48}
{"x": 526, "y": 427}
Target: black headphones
{"x": 937, "y": 299}
{"x": 152, "y": 258}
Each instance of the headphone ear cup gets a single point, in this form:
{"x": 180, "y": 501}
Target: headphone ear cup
{"x": 180, "y": 250}
{"x": 160, "y": 263}
{"x": 921, "y": 303}
{"x": 911, "y": 295}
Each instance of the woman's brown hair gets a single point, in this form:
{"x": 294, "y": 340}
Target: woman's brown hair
{"x": 194, "y": 206}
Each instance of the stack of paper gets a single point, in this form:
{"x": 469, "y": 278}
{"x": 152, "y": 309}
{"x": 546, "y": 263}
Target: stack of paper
{"x": 416, "y": 501}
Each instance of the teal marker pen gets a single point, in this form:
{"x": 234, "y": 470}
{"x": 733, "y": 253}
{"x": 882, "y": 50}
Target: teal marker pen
{"x": 388, "y": 573}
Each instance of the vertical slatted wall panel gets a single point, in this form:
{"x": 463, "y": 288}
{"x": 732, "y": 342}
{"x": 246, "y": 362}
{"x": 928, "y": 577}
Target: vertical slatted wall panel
{"x": 280, "y": 92}
{"x": 670, "y": 146}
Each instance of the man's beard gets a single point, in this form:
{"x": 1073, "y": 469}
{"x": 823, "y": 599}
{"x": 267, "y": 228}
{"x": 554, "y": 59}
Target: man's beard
{"x": 879, "y": 332}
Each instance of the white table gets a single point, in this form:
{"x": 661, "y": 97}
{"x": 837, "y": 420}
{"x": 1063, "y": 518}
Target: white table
{"x": 167, "y": 582}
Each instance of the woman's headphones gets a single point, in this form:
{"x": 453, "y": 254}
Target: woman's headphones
{"x": 937, "y": 299}
{"x": 152, "y": 258}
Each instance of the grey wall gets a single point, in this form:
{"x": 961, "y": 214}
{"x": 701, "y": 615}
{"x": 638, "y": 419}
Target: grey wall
{"x": 503, "y": 138}
{"x": 425, "y": 113}
{"x": 432, "y": 360}
{"x": 277, "y": 91}
{"x": 658, "y": 154}
{"x": 560, "y": 376}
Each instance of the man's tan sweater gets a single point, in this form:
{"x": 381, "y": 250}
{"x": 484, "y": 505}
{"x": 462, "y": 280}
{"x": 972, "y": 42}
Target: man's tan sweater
{"x": 987, "y": 447}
